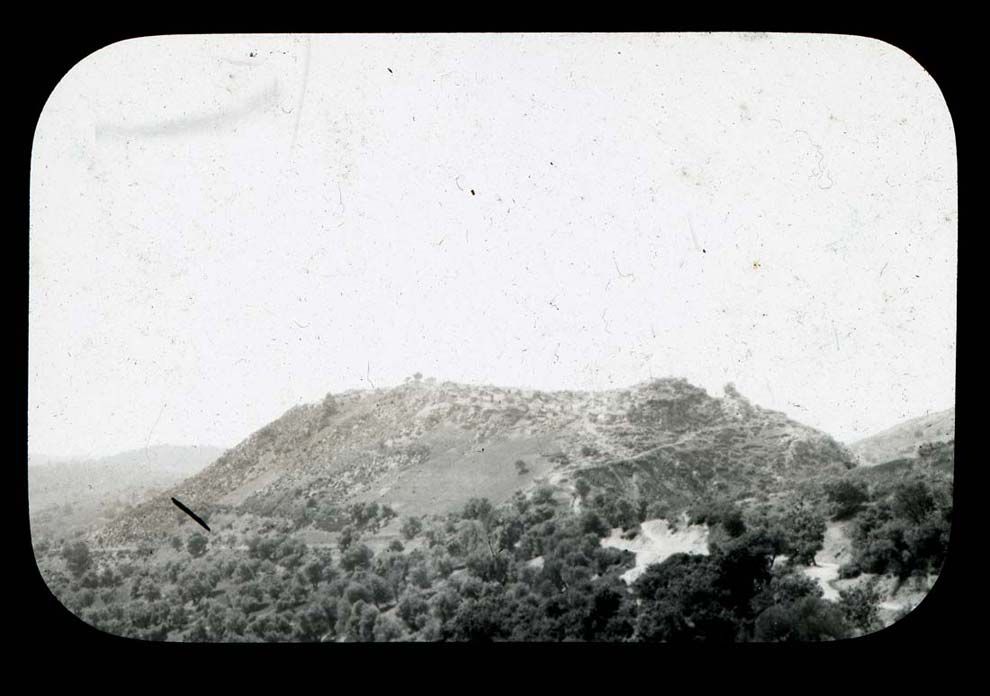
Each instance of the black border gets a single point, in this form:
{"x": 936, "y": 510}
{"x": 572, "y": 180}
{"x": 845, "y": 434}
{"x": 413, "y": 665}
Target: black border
{"x": 936, "y": 629}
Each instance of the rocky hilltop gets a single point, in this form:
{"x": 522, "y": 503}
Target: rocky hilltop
{"x": 427, "y": 447}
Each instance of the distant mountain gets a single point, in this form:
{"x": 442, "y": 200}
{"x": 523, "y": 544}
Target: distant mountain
{"x": 427, "y": 447}
{"x": 902, "y": 440}
{"x": 78, "y": 492}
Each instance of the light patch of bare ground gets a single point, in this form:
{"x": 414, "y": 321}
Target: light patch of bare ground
{"x": 656, "y": 542}
{"x": 835, "y": 552}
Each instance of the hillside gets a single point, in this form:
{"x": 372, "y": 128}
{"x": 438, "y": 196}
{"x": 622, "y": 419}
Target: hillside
{"x": 76, "y": 493}
{"x": 902, "y": 440}
{"x": 428, "y": 447}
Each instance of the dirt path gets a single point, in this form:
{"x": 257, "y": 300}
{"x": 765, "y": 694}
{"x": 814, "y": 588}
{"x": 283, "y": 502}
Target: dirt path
{"x": 835, "y": 552}
{"x": 825, "y": 574}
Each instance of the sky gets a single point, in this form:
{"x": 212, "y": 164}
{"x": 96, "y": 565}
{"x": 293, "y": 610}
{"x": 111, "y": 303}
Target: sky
{"x": 223, "y": 227}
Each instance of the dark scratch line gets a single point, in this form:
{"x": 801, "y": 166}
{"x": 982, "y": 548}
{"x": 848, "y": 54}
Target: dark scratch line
{"x": 191, "y": 514}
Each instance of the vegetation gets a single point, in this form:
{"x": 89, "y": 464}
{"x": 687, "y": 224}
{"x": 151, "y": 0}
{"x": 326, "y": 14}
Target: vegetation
{"x": 470, "y": 576}
{"x": 196, "y": 545}
{"x": 847, "y": 497}
{"x": 904, "y": 530}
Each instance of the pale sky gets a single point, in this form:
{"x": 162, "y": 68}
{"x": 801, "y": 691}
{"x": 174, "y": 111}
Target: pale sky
{"x": 223, "y": 227}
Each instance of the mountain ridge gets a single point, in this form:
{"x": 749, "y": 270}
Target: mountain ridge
{"x": 901, "y": 441}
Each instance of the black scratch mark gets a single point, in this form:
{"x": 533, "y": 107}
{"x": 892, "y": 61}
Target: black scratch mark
{"x": 192, "y": 514}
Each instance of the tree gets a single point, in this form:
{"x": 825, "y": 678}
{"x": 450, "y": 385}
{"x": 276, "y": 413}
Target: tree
{"x": 592, "y": 523}
{"x": 411, "y": 527}
{"x": 804, "y": 534}
{"x": 744, "y": 566}
{"x": 313, "y": 572}
{"x": 356, "y": 557}
{"x": 905, "y": 532}
{"x": 196, "y": 545}
{"x": 357, "y": 621}
{"x": 478, "y": 509}
{"x": 722, "y": 512}
{"x": 414, "y": 609}
{"x": 357, "y": 591}
{"x": 316, "y": 620}
{"x": 521, "y": 467}
{"x": 617, "y": 511}
{"x": 347, "y": 537}
{"x": 682, "y": 600}
{"x": 807, "y": 619}
{"x": 478, "y": 620}
{"x": 387, "y": 629}
{"x": 77, "y": 557}
{"x": 859, "y": 606}
{"x": 193, "y": 585}
{"x": 785, "y": 586}
{"x": 913, "y": 501}
{"x": 847, "y": 497}
{"x": 543, "y": 495}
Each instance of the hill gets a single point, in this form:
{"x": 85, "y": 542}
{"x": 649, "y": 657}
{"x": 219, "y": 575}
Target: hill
{"x": 902, "y": 440}
{"x": 73, "y": 494}
{"x": 427, "y": 447}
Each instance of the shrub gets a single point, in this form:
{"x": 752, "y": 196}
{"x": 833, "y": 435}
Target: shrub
{"x": 849, "y": 569}
{"x": 905, "y": 535}
{"x": 411, "y": 527}
{"x": 77, "y": 557}
{"x": 356, "y": 557}
{"x": 720, "y": 512}
{"x": 803, "y": 534}
{"x": 847, "y": 497}
{"x": 196, "y": 545}
{"x": 413, "y": 609}
{"x": 859, "y": 606}
{"x": 582, "y": 488}
{"x": 807, "y": 619}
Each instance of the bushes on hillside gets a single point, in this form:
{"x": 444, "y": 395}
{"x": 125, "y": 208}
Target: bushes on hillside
{"x": 808, "y": 619}
{"x": 77, "y": 557}
{"x": 859, "y": 606}
{"x": 531, "y": 569}
{"x": 846, "y": 497}
{"x": 356, "y": 557}
{"x": 196, "y": 545}
{"x": 720, "y": 512}
{"x": 411, "y": 526}
{"x": 905, "y": 533}
{"x": 803, "y": 530}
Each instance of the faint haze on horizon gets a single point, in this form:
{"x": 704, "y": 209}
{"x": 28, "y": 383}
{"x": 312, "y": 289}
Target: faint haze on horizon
{"x": 223, "y": 227}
